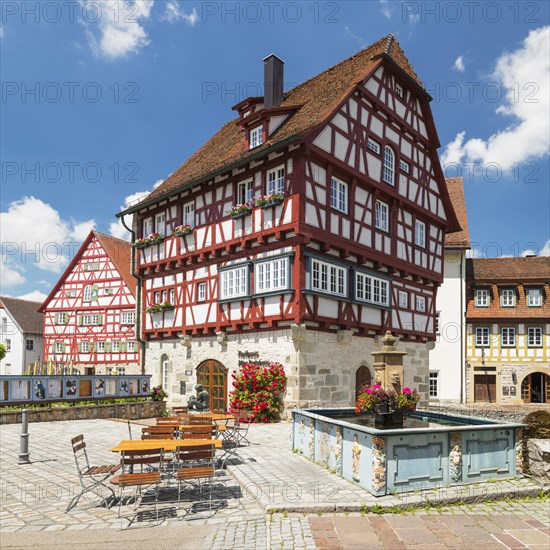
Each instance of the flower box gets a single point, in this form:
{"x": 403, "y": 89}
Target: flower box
{"x": 154, "y": 309}
{"x": 182, "y": 230}
{"x": 269, "y": 201}
{"x": 168, "y": 307}
{"x": 240, "y": 213}
{"x": 153, "y": 238}
{"x": 271, "y": 204}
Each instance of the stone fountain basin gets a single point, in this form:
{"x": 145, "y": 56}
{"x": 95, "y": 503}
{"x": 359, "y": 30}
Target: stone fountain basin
{"x": 431, "y": 450}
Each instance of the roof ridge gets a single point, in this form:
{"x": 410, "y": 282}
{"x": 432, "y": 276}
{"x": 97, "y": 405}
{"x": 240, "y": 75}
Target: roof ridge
{"x": 110, "y": 237}
{"x": 18, "y": 299}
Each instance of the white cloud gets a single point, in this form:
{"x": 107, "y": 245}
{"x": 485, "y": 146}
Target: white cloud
{"x": 116, "y": 229}
{"x": 385, "y": 9}
{"x": 355, "y": 37}
{"x": 34, "y": 233}
{"x": 173, "y": 14}
{"x": 34, "y": 296}
{"x": 523, "y": 76}
{"x": 119, "y": 30}
{"x": 10, "y": 276}
{"x": 459, "y": 64}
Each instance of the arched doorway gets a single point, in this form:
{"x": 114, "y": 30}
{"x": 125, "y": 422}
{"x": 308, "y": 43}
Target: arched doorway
{"x": 535, "y": 388}
{"x": 362, "y": 377}
{"x": 213, "y": 376}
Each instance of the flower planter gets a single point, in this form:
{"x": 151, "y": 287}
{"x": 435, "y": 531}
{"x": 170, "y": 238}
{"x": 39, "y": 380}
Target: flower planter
{"x": 381, "y": 409}
{"x": 388, "y": 419}
{"x": 141, "y": 246}
{"x": 183, "y": 233}
{"x": 241, "y": 214}
{"x": 157, "y": 241}
{"x": 271, "y": 204}
{"x": 167, "y": 308}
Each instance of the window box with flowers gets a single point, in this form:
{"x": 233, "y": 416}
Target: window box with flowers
{"x": 153, "y": 238}
{"x": 269, "y": 201}
{"x": 167, "y": 306}
{"x": 158, "y": 393}
{"x": 240, "y": 210}
{"x": 159, "y": 308}
{"x": 182, "y": 230}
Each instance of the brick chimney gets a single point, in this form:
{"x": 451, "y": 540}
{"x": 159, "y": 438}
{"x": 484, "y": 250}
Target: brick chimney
{"x": 273, "y": 81}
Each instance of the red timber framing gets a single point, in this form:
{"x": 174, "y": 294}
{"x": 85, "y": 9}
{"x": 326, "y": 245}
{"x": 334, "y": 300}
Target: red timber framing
{"x": 403, "y": 250}
{"x": 89, "y": 316}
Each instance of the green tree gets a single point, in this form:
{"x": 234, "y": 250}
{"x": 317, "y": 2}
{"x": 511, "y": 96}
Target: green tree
{"x": 3, "y": 351}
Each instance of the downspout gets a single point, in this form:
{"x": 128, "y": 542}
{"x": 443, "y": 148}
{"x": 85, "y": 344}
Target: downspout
{"x": 138, "y": 300}
{"x": 462, "y": 323}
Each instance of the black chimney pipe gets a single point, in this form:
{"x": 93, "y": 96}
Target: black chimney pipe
{"x": 273, "y": 81}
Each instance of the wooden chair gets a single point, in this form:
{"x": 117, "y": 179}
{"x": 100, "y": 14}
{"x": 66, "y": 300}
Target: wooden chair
{"x": 199, "y": 419}
{"x": 195, "y": 464}
{"x": 90, "y": 477}
{"x": 198, "y": 431}
{"x": 159, "y": 432}
{"x": 179, "y": 410}
{"x": 167, "y": 420}
{"x": 149, "y": 463}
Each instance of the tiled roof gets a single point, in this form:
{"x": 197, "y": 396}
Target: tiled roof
{"x": 530, "y": 268}
{"x": 120, "y": 253}
{"x": 316, "y": 99}
{"x": 516, "y": 273}
{"x": 25, "y": 313}
{"x": 458, "y": 239}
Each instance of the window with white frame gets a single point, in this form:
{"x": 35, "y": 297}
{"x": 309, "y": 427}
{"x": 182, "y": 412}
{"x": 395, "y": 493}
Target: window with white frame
{"x": 8, "y": 344}
{"x": 256, "y": 137}
{"x": 147, "y": 227}
{"x": 244, "y": 191}
{"x": 234, "y": 282}
{"x": 100, "y": 347}
{"x": 4, "y": 325}
{"x": 389, "y": 165}
{"x": 164, "y": 367}
{"x": 85, "y": 347}
{"x": 189, "y": 214}
{"x": 59, "y": 347}
{"x": 482, "y": 297}
{"x": 130, "y": 346}
{"x": 329, "y": 278}
{"x": 420, "y": 233}
{"x": 507, "y": 337}
{"x": 421, "y": 304}
{"x": 160, "y": 223}
{"x": 437, "y": 321}
{"x": 534, "y": 337}
{"x": 90, "y": 319}
{"x": 434, "y": 384}
{"x": 534, "y": 297}
{"x": 508, "y": 297}
{"x": 276, "y": 180}
{"x": 61, "y": 318}
{"x": 156, "y": 297}
{"x": 381, "y": 216}
{"x": 29, "y": 344}
{"x": 405, "y": 167}
{"x": 371, "y": 289}
{"x": 115, "y": 346}
{"x": 339, "y": 195}
{"x": 201, "y": 292}
{"x": 127, "y": 317}
{"x": 271, "y": 275}
{"x": 373, "y": 146}
{"x": 87, "y": 294}
{"x": 403, "y": 299}
{"x": 482, "y": 337}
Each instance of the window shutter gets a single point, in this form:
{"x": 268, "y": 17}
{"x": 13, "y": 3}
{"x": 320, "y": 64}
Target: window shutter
{"x": 96, "y": 266}
{"x": 79, "y": 347}
{"x": 85, "y": 267}
{"x": 80, "y": 320}
{"x": 100, "y": 319}
{"x": 56, "y": 318}
{"x": 122, "y": 347}
{"x": 64, "y": 346}
{"x": 53, "y": 349}
{"x": 108, "y": 346}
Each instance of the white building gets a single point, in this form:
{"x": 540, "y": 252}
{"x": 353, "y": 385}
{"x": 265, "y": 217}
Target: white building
{"x": 21, "y": 334}
{"x": 447, "y": 361}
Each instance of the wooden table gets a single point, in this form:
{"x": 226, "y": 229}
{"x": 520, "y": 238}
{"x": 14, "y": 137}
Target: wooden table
{"x": 167, "y": 444}
{"x": 191, "y": 426}
{"x": 221, "y": 417}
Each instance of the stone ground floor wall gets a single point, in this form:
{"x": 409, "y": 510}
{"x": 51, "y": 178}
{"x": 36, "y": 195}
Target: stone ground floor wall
{"x": 508, "y": 378}
{"x": 321, "y": 367}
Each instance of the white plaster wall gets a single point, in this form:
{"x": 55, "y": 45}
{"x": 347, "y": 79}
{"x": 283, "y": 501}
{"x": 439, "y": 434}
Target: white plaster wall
{"x": 448, "y": 357}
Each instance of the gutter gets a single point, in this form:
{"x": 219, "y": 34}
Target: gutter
{"x": 138, "y": 300}
{"x": 203, "y": 179}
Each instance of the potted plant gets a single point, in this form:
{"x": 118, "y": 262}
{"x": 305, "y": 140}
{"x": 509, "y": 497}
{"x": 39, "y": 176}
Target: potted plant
{"x": 155, "y": 238}
{"x": 268, "y": 201}
{"x": 389, "y": 407}
{"x": 154, "y": 308}
{"x": 141, "y": 243}
{"x": 158, "y": 393}
{"x": 166, "y": 305}
{"x": 240, "y": 210}
{"x": 182, "y": 230}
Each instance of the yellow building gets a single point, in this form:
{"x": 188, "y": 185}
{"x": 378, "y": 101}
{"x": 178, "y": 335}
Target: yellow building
{"x": 508, "y": 330}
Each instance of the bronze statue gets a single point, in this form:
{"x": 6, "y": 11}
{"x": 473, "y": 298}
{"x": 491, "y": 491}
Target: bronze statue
{"x": 201, "y": 402}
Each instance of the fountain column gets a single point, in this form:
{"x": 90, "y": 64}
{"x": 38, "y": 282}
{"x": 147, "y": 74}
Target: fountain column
{"x": 388, "y": 365}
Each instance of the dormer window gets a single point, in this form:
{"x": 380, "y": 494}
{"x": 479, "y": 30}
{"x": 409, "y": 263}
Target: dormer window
{"x": 534, "y": 297}
{"x": 482, "y": 297}
{"x": 508, "y": 298}
{"x": 256, "y": 137}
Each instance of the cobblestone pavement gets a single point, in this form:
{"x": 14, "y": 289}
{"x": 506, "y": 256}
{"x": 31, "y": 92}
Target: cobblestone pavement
{"x": 266, "y": 477}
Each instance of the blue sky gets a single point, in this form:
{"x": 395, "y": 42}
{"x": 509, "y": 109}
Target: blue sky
{"x": 101, "y": 100}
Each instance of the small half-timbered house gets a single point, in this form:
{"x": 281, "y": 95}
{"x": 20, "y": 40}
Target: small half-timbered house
{"x": 303, "y": 230}
{"x": 90, "y": 314}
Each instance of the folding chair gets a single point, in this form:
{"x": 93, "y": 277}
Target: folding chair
{"x": 130, "y": 430}
{"x": 195, "y": 463}
{"x": 241, "y": 424}
{"x": 199, "y": 419}
{"x": 198, "y": 431}
{"x": 95, "y": 474}
{"x": 159, "y": 432}
{"x": 149, "y": 463}
{"x": 177, "y": 410}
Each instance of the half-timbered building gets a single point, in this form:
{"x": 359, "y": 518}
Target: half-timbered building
{"x": 90, "y": 314}
{"x": 303, "y": 230}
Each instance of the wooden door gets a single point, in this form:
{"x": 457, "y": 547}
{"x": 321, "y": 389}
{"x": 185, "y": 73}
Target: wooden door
{"x": 535, "y": 388}
{"x": 485, "y": 386}
{"x": 213, "y": 376}
{"x": 362, "y": 377}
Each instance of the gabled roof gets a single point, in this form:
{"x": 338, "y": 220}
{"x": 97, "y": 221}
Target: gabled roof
{"x": 315, "y": 99}
{"x": 25, "y": 313}
{"x": 118, "y": 251}
{"x": 458, "y": 239}
{"x": 520, "y": 270}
